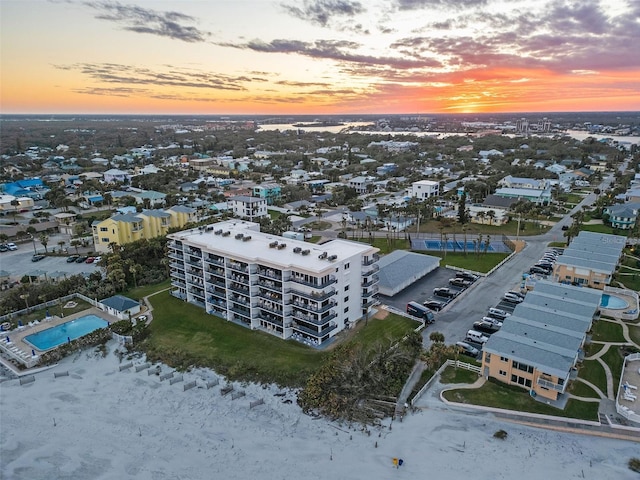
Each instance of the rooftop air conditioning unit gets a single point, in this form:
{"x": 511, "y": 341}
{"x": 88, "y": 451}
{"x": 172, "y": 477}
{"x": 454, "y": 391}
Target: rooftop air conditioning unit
{"x": 246, "y": 238}
{"x": 226, "y": 234}
{"x": 273, "y": 244}
{"x": 322, "y": 256}
{"x": 239, "y": 236}
{"x": 332, "y": 258}
{"x": 305, "y": 252}
{"x": 281, "y": 246}
{"x": 218, "y": 232}
{"x": 209, "y": 228}
{"x": 297, "y": 250}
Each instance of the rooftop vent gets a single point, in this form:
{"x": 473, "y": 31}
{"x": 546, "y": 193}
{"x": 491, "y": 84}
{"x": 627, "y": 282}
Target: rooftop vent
{"x": 218, "y": 232}
{"x": 209, "y": 228}
{"x": 239, "y": 236}
{"x": 226, "y": 234}
{"x": 247, "y": 238}
{"x": 273, "y": 244}
{"x": 305, "y": 252}
{"x": 281, "y": 246}
{"x": 297, "y": 250}
{"x": 332, "y": 258}
{"x": 323, "y": 255}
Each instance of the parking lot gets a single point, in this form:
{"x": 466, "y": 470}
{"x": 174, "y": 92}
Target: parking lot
{"x": 19, "y": 263}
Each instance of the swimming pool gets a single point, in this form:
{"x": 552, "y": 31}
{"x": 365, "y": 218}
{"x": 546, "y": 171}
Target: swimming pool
{"x": 457, "y": 245}
{"x": 613, "y": 302}
{"x": 55, "y": 336}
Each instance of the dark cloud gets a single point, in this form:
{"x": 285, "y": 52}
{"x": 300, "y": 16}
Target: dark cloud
{"x": 111, "y": 92}
{"x": 338, "y": 50}
{"x": 133, "y": 75}
{"x": 322, "y": 12}
{"x": 141, "y": 20}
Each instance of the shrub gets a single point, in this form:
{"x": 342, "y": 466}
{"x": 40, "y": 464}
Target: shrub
{"x": 501, "y": 434}
{"x": 634, "y": 464}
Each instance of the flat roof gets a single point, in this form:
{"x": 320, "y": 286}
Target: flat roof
{"x": 552, "y": 317}
{"x": 583, "y": 294}
{"x": 400, "y": 266}
{"x": 258, "y": 249}
{"x": 562, "y": 304}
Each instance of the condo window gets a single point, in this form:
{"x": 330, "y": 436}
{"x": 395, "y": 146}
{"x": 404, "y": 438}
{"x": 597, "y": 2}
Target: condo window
{"x": 346, "y": 266}
{"x": 346, "y": 288}
{"x": 504, "y": 359}
{"x": 503, "y": 373}
{"x": 346, "y": 299}
{"x": 346, "y": 309}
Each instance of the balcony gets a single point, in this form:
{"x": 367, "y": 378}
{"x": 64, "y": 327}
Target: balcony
{"x": 271, "y": 309}
{"x": 197, "y": 303}
{"x": 217, "y": 283}
{"x": 196, "y": 292}
{"x": 314, "y": 281}
{"x": 270, "y": 273}
{"x": 370, "y": 260}
{"x": 369, "y": 303}
{"x": 272, "y": 320}
{"x": 372, "y": 291}
{"x": 314, "y": 333}
{"x": 195, "y": 263}
{"x": 178, "y": 283}
{"x": 236, "y": 287}
{"x": 178, "y": 265}
{"x": 314, "y": 308}
{"x": 245, "y": 312}
{"x": 312, "y": 319}
{"x": 244, "y": 279}
{"x": 177, "y": 274}
{"x": 179, "y": 294}
{"x": 215, "y": 261}
{"x": 370, "y": 269}
{"x": 216, "y": 271}
{"x": 551, "y": 385}
{"x": 217, "y": 294}
{"x": 271, "y": 285}
{"x": 194, "y": 251}
{"x": 317, "y": 296}
{"x": 239, "y": 267}
{"x": 273, "y": 297}
{"x": 371, "y": 281}
{"x": 176, "y": 255}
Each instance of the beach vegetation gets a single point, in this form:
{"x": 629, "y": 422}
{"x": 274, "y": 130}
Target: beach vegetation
{"x": 501, "y": 434}
{"x": 634, "y": 464}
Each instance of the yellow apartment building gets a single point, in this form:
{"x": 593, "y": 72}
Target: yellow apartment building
{"x": 125, "y": 228}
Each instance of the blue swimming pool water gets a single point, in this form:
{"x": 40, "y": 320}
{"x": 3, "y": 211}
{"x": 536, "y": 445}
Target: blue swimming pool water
{"x": 54, "y": 336}
{"x": 613, "y": 302}
{"x": 450, "y": 244}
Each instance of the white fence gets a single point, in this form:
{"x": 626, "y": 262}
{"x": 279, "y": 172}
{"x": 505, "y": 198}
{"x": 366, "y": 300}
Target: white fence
{"x": 623, "y": 410}
{"x": 448, "y": 363}
{"x": 49, "y": 304}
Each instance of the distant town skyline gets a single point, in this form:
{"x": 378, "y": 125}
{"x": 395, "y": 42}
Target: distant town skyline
{"x": 319, "y": 57}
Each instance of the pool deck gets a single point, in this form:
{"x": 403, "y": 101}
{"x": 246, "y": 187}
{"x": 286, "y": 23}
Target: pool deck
{"x": 630, "y": 312}
{"x": 20, "y": 351}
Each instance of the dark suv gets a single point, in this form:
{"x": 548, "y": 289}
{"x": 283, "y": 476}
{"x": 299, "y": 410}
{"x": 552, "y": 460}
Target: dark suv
{"x": 444, "y": 292}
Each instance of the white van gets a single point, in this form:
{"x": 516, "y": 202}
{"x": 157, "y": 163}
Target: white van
{"x": 477, "y": 337}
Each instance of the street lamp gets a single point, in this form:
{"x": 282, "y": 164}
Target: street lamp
{"x": 33, "y": 239}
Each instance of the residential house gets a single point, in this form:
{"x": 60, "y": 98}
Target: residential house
{"x": 623, "y": 216}
{"x": 424, "y": 189}
{"x": 120, "y": 307}
{"x": 271, "y": 192}
{"x": 248, "y": 208}
{"x": 487, "y": 215}
{"x": 522, "y": 182}
{"x": 590, "y": 260}
{"x": 360, "y": 184}
{"x": 285, "y": 287}
{"x": 125, "y": 228}
{"x": 114, "y": 175}
{"x": 540, "y": 197}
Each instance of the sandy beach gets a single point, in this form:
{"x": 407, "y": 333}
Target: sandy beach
{"x": 98, "y": 422}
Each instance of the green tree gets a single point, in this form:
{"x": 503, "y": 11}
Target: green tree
{"x": 44, "y": 240}
{"x": 462, "y": 209}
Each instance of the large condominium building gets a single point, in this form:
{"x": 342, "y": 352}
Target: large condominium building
{"x": 129, "y": 227}
{"x": 288, "y": 288}
{"x": 539, "y": 345}
{"x": 590, "y": 260}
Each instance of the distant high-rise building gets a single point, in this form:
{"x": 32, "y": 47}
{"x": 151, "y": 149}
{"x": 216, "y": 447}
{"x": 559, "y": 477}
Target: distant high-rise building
{"x": 522, "y": 125}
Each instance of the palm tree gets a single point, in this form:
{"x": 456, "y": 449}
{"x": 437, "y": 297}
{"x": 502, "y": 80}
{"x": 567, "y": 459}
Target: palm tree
{"x": 44, "y": 240}
{"x": 75, "y": 243}
{"x": 491, "y": 215}
{"x": 464, "y": 231}
{"x": 61, "y": 244}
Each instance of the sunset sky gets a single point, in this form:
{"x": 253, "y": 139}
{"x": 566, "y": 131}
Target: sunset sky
{"x": 318, "y": 56}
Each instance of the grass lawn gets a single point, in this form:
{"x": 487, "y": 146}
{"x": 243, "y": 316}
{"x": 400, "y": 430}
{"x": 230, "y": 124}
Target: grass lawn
{"x": 605, "y": 331}
{"x": 634, "y": 334}
{"x": 274, "y": 214}
{"x": 53, "y": 310}
{"x": 143, "y": 291}
{"x": 614, "y": 359}
{"x": 458, "y": 375}
{"x": 482, "y": 263}
{"x": 601, "y": 228}
{"x": 509, "y": 397}
{"x": 593, "y": 372}
{"x": 183, "y": 335}
{"x": 581, "y": 389}
{"x": 318, "y": 225}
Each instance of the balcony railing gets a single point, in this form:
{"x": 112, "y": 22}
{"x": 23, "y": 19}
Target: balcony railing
{"x": 177, "y": 274}
{"x": 195, "y": 263}
{"x": 274, "y": 297}
{"x": 371, "y": 291}
{"x": 270, "y": 273}
{"x": 273, "y": 320}
{"x": 551, "y": 385}
{"x": 240, "y": 311}
{"x": 371, "y": 281}
{"x": 217, "y": 293}
{"x": 370, "y": 269}
{"x": 314, "y": 308}
{"x": 215, "y": 261}
{"x": 312, "y": 319}
{"x": 271, "y": 309}
{"x": 271, "y": 285}
{"x": 314, "y": 333}
{"x": 369, "y": 303}
{"x": 216, "y": 271}
{"x": 196, "y": 293}
{"x": 316, "y": 282}
{"x": 239, "y": 288}
{"x": 178, "y": 283}
{"x": 238, "y": 267}
{"x": 176, "y": 255}
{"x": 317, "y": 296}
{"x": 371, "y": 259}
{"x": 178, "y": 265}
{"x": 244, "y": 279}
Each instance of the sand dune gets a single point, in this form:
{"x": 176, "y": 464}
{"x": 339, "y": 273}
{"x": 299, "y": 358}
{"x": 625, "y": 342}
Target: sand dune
{"x": 102, "y": 423}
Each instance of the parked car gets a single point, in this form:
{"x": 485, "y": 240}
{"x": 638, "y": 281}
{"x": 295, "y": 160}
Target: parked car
{"x": 493, "y": 321}
{"x": 467, "y": 276}
{"x": 89, "y": 259}
{"x": 12, "y": 246}
{"x": 459, "y": 282}
{"x": 467, "y": 349}
{"x": 97, "y": 259}
{"x": 498, "y": 313}
{"x": 37, "y": 257}
{"x": 445, "y": 292}
{"x": 518, "y": 293}
{"x": 512, "y": 298}
{"x": 476, "y": 337}
{"x": 434, "y": 305}
{"x": 485, "y": 327}
{"x": 4, "y": 248}
{"x": 565, "y": 227}
{"x": 72, "y": 258}
{"x": 538, "y": 270}
{"x": 81, "y": 259}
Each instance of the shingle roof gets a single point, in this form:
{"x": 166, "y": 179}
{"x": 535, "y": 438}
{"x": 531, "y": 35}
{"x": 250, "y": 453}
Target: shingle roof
{"x": 119, "y": 303}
